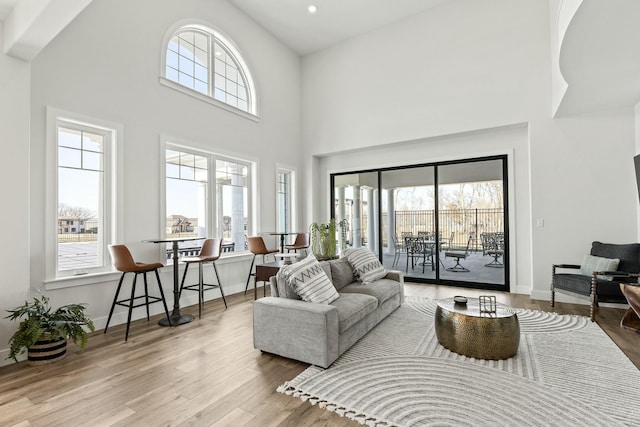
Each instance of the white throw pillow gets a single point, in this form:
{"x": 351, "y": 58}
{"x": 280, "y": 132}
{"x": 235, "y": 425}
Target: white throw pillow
{"x": 366, "y": 266}
{"x": 309, "y": 280}
{"x": 592, "y": 263}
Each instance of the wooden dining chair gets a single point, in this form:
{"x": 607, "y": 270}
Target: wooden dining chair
{"x": 123, "y": 261}
{"x": 209, "y": 253}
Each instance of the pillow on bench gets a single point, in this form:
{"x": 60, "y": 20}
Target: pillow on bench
{"x": 592, "y": 263}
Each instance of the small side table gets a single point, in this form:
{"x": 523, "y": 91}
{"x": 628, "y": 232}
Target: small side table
{"x": 631, "y": 319}
{"x": 287, "y": 258}
{"x": 264, "y": 273}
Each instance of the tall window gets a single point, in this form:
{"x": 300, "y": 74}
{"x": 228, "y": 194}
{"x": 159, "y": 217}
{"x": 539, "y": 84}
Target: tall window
{"x": 186, "y": 194}
{"x": 284, "y": 200}
{"x": 195, "y": 208}
{"x": 202, "y": 60}
{"x": 232, "y": 180}
{"x": 83, "y": 197}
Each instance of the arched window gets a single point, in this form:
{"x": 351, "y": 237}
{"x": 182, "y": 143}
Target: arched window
{"x": 204, "y": 61}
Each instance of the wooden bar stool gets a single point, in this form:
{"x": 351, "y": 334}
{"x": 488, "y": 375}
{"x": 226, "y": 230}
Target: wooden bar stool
{"x": 210, "y": 252}
{"x": 123, "y": 261}
{"x": 257, "y": 247}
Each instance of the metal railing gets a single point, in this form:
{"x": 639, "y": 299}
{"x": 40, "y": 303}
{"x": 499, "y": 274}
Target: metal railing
{"x": 456, "y": 225}
{"x": 71, "y": 231}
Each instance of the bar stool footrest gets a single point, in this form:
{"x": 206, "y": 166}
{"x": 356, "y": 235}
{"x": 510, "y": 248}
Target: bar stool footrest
{"x": 128, "y": 302}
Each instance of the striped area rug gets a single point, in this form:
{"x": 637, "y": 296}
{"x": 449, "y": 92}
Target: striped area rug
{"x": 567, "y": 372}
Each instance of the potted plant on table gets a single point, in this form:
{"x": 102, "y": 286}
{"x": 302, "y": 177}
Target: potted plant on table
{"x": 323, "y": 238}
{"x": 44, "y": 331}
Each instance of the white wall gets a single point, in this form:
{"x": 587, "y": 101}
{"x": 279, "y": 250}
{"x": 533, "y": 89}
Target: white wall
{"x": 464, "y": 65}
{"x": 446, "y": 77}
{"x": 106, "y": 64}
{"x": 14, "y": 191}
{"x": 583, "y": 186}
{"x": 459, "y": 67}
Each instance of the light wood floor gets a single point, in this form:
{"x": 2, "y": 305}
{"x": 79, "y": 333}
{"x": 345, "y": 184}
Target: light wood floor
{"x": 199, "y": 374}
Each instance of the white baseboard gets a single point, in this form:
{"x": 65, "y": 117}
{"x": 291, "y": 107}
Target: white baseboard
{"x": 566, "y": 298}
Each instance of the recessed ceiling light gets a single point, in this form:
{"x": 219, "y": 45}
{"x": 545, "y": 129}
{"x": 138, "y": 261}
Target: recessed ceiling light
{"x": 312, "y": 9}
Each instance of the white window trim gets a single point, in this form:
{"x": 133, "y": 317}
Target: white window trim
{"x": 113, "y": 190}
{"x": 205, "y": 98}
{"x": 213, "y": 222}
{"x": 293, "y": 199}
{"x": 253, "y": 110}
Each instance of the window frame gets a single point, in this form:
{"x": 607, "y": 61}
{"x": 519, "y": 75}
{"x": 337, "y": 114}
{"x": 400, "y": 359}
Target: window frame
{"x": 214, "y": 221}
{"x": 112, "y": 196}
{"x": 243, "y": 68}
{"x": 291, "y": 213}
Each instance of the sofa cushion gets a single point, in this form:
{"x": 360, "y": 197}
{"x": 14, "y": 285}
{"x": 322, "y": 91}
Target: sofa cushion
{"x": 591, "y": 263}
{"x": 284, "y": 290}
{"x": 366, "y": 266}
{"x": 341, "y": 273}
{"x": 309, "y": 280}
{"x": 628, "y": 254}
{"x": 352, "y": 308}
{"x": 382, "y": 289}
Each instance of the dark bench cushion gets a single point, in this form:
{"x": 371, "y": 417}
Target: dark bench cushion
{"x": 608, "y": 291}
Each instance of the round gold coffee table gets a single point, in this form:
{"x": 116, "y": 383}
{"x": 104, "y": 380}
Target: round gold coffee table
{"x": 462, "y": 329}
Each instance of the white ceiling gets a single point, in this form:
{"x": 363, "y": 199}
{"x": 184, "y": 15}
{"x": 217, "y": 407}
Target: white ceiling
{"x": 335, "y": 20}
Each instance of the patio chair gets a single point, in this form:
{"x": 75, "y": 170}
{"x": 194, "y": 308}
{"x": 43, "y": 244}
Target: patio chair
{"x": 493, "y": 245}
{"x": 419, "y": 248}
{"x": 458, "y": 268}
{"x": 445, "y": 242}
{"x": 400, "y": 249}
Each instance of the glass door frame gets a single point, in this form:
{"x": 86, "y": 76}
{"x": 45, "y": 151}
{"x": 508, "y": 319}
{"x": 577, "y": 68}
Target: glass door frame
{"x": 438, "y": 280}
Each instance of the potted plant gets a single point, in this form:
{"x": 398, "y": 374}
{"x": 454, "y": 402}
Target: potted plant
{"x": 323, "y": 238}
{"x": 44, "y": 331}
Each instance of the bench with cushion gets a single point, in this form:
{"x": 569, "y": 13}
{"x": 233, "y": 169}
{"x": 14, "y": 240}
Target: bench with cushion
{"x": 599, "y": 275}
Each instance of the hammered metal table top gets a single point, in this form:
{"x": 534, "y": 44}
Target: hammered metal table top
{"x": 472, "y": 308}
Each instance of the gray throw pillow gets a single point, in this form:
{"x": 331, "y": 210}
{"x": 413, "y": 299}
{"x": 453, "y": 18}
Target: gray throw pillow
{"x": 366, "y": 266}
{"x": 309, "y": 280}
{"x": 341, "y": 273}
{"x": 592, "y": 263}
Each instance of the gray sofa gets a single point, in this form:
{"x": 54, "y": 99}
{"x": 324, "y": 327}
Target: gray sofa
{"x": 285, "y": 325}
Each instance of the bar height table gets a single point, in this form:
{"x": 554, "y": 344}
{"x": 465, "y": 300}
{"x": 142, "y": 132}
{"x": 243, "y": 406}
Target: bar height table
{"x": 177, "y": 318}
{"x": 281, "y": 234}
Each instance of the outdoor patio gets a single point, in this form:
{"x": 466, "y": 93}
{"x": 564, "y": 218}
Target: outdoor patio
{"x": 475, "y": 263}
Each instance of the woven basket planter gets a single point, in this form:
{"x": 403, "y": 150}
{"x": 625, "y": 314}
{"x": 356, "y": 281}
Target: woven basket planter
{"x": 46, "y": 350}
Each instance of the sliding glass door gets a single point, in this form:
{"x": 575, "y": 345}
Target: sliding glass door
{"x": 471, "y": 222}
{"x": 438, "y": 223}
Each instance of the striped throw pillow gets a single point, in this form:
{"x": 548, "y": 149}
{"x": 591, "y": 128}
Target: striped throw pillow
{"x": 309, "y": 280}
{"x": 366, "y": 266}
